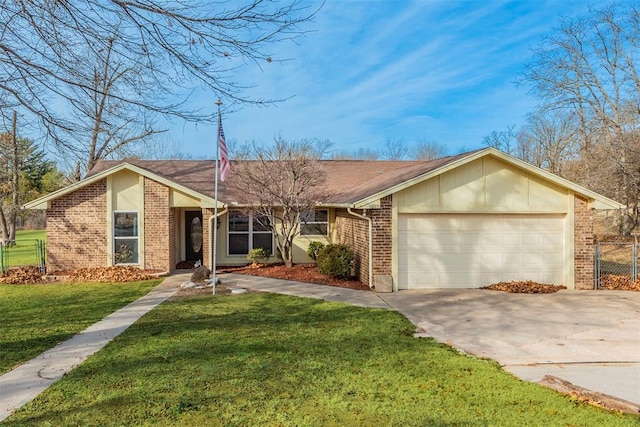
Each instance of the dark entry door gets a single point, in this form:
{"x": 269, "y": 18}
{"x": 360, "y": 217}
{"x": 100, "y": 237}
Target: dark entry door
{"x": 193, "y": 235}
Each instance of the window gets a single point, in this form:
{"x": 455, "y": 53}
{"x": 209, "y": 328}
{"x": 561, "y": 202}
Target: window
{"x": 125, "y": 237}
{"x": 314, "y": 223}
{"x": 247, "y": 232}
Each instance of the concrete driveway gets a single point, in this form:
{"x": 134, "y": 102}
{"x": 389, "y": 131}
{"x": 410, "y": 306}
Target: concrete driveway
{"x": 589, "y": 338}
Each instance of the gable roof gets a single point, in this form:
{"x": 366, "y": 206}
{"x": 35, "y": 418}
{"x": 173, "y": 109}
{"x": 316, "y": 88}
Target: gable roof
{"x": 354, "y": 183}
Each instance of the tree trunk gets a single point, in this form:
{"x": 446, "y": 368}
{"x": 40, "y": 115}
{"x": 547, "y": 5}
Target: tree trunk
{"x": 13, "y": 213}
{"x": 3, "y": 224}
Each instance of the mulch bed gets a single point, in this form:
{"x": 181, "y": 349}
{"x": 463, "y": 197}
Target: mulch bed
{"x": 299, "y": 272}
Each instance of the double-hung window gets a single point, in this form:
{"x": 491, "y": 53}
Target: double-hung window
{"x": 248, "y": 232}
{"x": 125, "y": 238}
{"x": 314, "y": 222}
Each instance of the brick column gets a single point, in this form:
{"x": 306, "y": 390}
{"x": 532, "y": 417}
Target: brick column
{"x": 382, "y": 227}
{"x": 157, "y": 227}
{"x": 206, "y": 257}
{"x": 584, "y": 246}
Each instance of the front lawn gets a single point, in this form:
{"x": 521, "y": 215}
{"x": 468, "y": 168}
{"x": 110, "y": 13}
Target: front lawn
{"x": 34, "y": 318}
{"x": 265, "y": 359}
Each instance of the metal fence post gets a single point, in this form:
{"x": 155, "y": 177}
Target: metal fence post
{"x": 41, "y": 261}
{"x": 597, "y": 267}
{"x": 634, "y": 262}
{"x": 1, "y": 257}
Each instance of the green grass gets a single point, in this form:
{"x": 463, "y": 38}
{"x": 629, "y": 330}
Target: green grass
{"x": 34, "y": 318}
{"x": 31, "y": 234}
{"x": 264, "y": 359}
{"x": 24, "y": 253}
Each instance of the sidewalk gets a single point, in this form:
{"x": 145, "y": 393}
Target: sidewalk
{"x": 25, "y": 382}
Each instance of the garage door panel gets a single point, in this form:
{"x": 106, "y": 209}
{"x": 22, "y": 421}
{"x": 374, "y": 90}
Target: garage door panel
{"x": 436, "y": 251}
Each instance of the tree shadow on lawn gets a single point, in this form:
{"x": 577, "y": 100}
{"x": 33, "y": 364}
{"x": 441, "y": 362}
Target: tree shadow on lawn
{"x": 211, "y": 359}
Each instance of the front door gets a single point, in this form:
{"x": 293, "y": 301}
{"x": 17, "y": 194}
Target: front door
{"x": 193, "y": 235}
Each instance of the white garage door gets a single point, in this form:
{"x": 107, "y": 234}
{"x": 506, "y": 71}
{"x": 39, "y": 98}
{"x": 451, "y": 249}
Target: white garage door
{"x": 468, "y": 251}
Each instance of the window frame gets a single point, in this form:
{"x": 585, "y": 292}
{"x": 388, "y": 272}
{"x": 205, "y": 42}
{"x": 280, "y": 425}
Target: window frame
{"x": 136, "y": 237}
{"x": 250, "y": 232}
{"x": 304, "y": 223}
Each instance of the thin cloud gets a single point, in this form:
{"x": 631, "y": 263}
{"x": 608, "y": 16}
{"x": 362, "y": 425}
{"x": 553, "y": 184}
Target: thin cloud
{"x": 373, "y": 70}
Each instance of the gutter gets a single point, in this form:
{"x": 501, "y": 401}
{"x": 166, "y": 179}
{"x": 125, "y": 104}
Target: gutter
{"x": 211, "y": 218}
{"x": 357, "y": 215}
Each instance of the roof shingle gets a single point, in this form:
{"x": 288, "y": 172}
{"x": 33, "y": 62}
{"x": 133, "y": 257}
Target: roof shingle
{"x": 348, "y": 181}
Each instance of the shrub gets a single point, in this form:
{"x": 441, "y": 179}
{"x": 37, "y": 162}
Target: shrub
{"x": 258, "y": 255}
{"x": 335, "y": 260}
{"x": 314, "y": 249}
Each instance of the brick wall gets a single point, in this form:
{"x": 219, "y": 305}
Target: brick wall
{"x": 382, "y": 237}
{"x": 354, "y": 232}
{"x": 77, "y": 229}
{"x": 584, "y": 246}
{"x": 157, "y": 230}
{"x": 206, "y": 257}
{"x": 173, "y": 250}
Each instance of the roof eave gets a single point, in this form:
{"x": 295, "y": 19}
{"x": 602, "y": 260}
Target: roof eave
{"x": 44, "y": 202}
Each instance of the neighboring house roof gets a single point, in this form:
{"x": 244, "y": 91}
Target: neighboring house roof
{"x": 355, "y": 183}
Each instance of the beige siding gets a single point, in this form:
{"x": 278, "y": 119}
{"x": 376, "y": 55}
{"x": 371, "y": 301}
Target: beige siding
{"x": 486, "y": 185}
{"x": 178, "y": 199}
{"x": 126, "y": 191}
{"x": 300, "y": 245}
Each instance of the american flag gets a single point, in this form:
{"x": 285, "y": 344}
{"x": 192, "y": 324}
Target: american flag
{"x": 224, "y": 156}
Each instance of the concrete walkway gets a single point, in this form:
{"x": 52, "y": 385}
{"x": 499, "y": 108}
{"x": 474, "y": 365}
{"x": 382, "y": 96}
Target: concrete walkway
{"x": 25, "y": 382}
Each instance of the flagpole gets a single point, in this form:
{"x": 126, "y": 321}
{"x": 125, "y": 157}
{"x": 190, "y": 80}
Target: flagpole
{"x": 214, "y": 223}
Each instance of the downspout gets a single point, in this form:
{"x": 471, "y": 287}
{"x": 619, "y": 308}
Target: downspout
{"x": 370, "y": 242}
{"x": 211, "y": 218}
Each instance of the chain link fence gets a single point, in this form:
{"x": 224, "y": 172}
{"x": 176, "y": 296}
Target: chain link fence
{"x": 616, "y": 264}
{"x": 22, "y": 253}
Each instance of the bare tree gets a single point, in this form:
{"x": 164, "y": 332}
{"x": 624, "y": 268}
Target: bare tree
{"x": 395, "y": 149}
{"x": 548, "y": 140}
{"x": 104, "y": 125}
{"x": 504, "y": 140}
{"x": 427, "y": 150}
{"x": 366, "y": 154}
{"x": 9, "y": 152}
{"x": 589, "y": 67}
{"x": 177, "y": 47}
{"x": 281, "y": 185}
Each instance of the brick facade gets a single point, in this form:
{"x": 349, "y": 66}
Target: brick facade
{"x": 354, "y": 232}
{"x": 206, "y": 257}
{"x": 382, "y": 226}
{"x": 77, "y": 229}
{"x": 584, "y": 245}
{"x": 159, "y": 234}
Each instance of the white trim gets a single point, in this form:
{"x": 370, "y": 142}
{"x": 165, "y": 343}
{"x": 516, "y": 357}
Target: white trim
{"x": 136, "y": 237}
{"x": 302, "y": 223}
{"x": 249, "y": 232}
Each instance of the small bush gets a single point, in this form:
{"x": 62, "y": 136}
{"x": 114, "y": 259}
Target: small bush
{"x": 258, "y": 255}
{"x": 314, "y": 249}
{"x": 335, "y": 260}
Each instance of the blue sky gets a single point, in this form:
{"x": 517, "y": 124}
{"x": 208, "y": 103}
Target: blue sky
{"x": 370, "y": 71}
